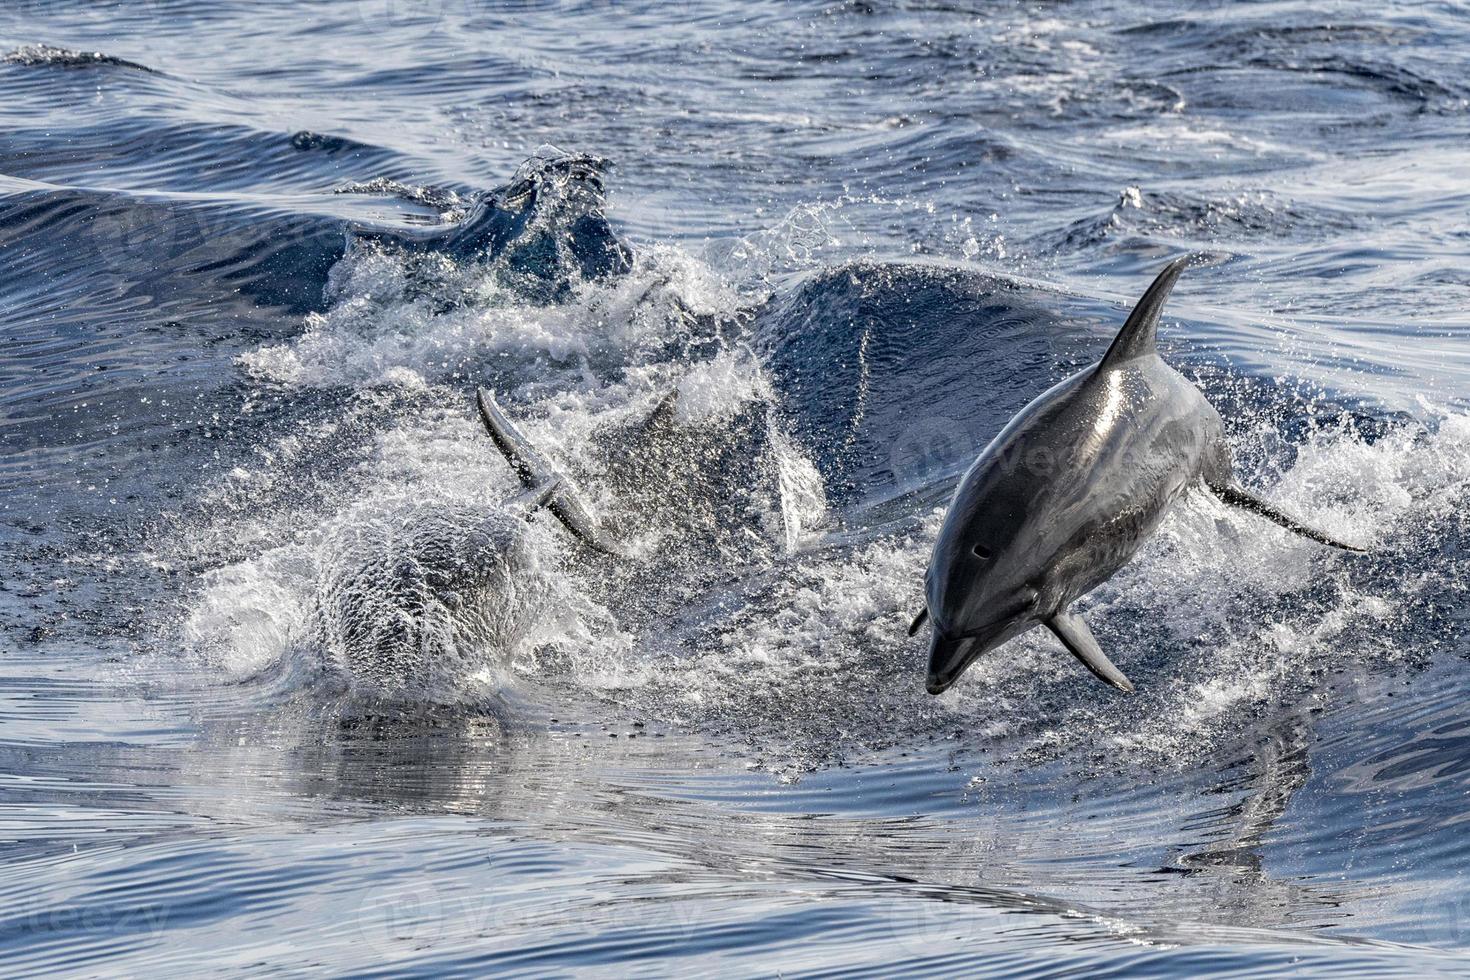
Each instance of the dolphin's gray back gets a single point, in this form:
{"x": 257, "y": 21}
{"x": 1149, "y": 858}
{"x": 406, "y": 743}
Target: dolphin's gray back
{"x": 1153, "y": 435}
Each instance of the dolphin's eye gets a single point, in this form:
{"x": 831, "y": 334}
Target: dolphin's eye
{"x": 981, "y": 551}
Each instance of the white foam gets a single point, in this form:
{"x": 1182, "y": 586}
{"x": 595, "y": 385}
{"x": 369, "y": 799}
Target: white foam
{"x": 413, "y": 323}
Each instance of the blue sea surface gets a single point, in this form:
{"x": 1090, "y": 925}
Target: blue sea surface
{"x": 288, "y": 687}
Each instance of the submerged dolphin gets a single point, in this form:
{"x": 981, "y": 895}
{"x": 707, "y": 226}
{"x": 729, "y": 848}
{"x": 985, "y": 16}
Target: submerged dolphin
{"x": 409, "y": 593}
{"x": 1067, "y": 492}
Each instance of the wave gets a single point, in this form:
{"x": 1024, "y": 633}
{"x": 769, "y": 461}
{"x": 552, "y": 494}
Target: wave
{"x": 48, "y": 55}
{"x": 1240, "y": 217}
{"x": 1226, "y": 621}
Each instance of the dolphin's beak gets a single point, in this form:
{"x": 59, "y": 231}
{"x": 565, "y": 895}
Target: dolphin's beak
{"x": 948, "y": 659}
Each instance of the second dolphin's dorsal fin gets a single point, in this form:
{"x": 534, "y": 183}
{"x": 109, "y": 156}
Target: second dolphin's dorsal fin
{"x": 530, "y": 465}
{"x": 1075, "y": 636}
{"x": 1138, "y": 336}
{"x": 664, "y": 415}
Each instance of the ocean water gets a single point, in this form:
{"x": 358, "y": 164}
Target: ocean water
{"x": 287, "y": 687}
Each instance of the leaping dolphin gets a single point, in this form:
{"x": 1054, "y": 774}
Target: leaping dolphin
{"x": 1065, "y": 495}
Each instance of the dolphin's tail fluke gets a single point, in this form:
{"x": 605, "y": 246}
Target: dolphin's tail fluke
{"x": 1236, "y": 497}
{"x": 545, "y": 487}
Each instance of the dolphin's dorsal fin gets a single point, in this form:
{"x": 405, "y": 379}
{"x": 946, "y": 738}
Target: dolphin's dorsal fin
{"x": 1075, "y": 636}
{"x": 664, "y": 414}
{"x": 1138, "y": 336}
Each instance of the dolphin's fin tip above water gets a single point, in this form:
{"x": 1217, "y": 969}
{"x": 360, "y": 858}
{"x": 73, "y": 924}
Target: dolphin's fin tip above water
{"x": 665, "y": 414}
{"x": 521, "y": 455}
{"x": 1139, "y": 334}
{"x": 1236, "y": 497}
{"x": 1075, "y": 635}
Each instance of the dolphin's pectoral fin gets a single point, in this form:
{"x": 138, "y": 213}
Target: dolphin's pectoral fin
{"x": 919, "y": 621}
{"x": 1075, "y": 635}
{"x": 1236, "y": 497}
{"x": 545, "y": 486}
